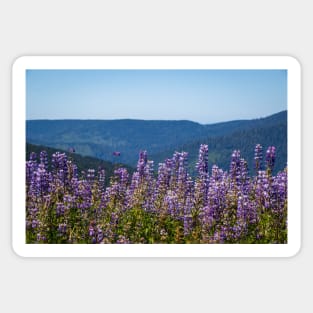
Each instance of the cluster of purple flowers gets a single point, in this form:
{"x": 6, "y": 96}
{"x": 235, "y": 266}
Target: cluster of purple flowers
{"x": 169, "y": 206}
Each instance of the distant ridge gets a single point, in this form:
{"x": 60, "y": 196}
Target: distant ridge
{"x": 100, "y": 138}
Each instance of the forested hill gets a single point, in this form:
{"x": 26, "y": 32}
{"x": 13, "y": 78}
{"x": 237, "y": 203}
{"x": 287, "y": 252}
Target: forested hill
{"x": 221, "y": 147}
{"x": 100, "y": 138}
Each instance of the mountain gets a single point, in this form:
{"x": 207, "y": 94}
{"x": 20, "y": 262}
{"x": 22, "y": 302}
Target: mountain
{"x": 83, "y": 162}
{"x": 244, "y": 140}
{"x": 225, "y": 128}
{"x": 100, "y": 138}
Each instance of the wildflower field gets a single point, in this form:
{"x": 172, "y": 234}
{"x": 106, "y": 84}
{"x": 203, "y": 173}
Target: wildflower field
{"x": 66, "y": 206}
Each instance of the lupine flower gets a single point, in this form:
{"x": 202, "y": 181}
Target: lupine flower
{"x": 262, "y": 192}
{"x": 270, "y": 157}
{"x": 91, "y": 231}
{"x": 100, "y": 235}
{"x": 142, "y": 163}
{"x": 90, "y": 175}
{"x": 258, "y": 157}
{"x": 134, "y": 183}
{"x": 44, "y": 159}
{"x": 35, "y": 223}
{"x": 60, "y": 209}
{"x": 243, "y": 176}
{"x": 188, "y": 205}
{"x": 60, "y": 168}
{"x": 122, "y": 176}
{"x": 163, "y": 182}
{"x": 202, "y": 164}
{"x": 171, "y": 203}
{"x": 62, "y": 228}
{"x": 150, "y": 185}
{"x": 242, "y": 209}
{"x": 224, "y": 207}
{"x": 201, "y": 185}
{"x": 41, "y": 237}
{"x": 235, "y": 167}
{"x": 101, "y": 179}
{"x": 279, "y": 193}
{"x": 182, "y": 170}
{"x": 33, "y": 157}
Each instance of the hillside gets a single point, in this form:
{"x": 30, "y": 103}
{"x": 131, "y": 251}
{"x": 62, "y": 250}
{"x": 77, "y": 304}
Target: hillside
{"x": 221, "y": 147}
{"x": 225, "y": 128}
{"x": 100, "y": 138}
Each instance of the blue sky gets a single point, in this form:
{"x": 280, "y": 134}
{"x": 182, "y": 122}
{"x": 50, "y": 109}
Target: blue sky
{"x": 204, "y": 96}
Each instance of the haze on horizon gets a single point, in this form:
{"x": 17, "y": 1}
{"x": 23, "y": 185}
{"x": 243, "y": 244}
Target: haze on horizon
{"x": 203, "y": 96}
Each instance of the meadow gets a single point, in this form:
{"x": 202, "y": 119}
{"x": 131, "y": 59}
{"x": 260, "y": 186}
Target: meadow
{"x": 169, "y": 205}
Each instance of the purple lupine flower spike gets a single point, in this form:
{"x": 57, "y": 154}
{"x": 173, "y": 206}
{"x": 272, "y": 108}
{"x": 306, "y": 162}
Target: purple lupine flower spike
{"x": 270, "y": 157}
{"x": 258, "y": 157}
